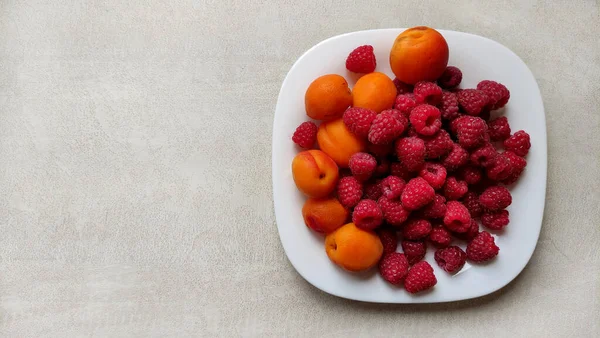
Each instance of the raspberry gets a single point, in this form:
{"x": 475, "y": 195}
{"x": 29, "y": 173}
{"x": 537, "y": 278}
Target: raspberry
{"x": 305, "y": 135}
{"x": 497, "y": 93}
{"x": 471, "y": 201}
{"x": 471, "y": 233}
{"x": 397, "y": 169}
{"x": 385, "y": 128}
{"x": 457, "y": 218}
{"x": 427, "y": 92}
{"x": 362, "y": 166}
{"x": 416, "y": 229}
{"x": 472, "y": 101}
{"x": 359, "y": 120}
{"x": 394, "y": 268}
{"x": 426, "y": 119}
{"x": 420, "y": 278}
{"x": 393, "y": 211}
{"x": 450, "y": 259}
{"x": 414, "y": 250}
{"x": 470, "y": 174}
{"x": 389, "y": 240}
{"x": 470, "y": 131}
{"x": 440, "y": 237}
{"x": 457, "y": 157}
{"x": 434, "y": 174}
{"x": 380, "y": 150}
{"x": 449, "y": 106}
{"x": 417, "y": 194}
{"x": 455, "y": 189}
{"x": 500, "y": 169}
{"x": 349, "y": 191}
{"x": 450, "y": 78}
{"x": 482, "y": 248}
{"x": 518, "y": 143}
{"x": 367, "y": 215}
{"x": 438, "y": 145}
{"x": 361, "y": 60}
{"x": 372, "y": 190}
{"x": 484, "y": 156}
{"x": 498, "y": 129}
{"x": 495, "y": 220}
{"x": 403, "y": 119}
{"x": 411, "y": 153}
{"x": 517, "y": 165}
{"x": 402, "y": 88}
{"x": 392, "y": 187}
{"x": 495, "y": 198}
{"x": 405, "y": 103}
{"x": 383, "y": 167}
{"x": 435, "y": 209}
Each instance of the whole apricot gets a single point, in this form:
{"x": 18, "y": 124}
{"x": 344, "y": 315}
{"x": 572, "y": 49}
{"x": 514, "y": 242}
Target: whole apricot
{"x": 315, "y": 173}
{"x": 327, "y": 97}
{"x": 352, "y": 248}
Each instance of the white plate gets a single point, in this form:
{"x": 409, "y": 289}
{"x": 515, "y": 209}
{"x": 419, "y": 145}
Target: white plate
{"x": 479, "y": 59}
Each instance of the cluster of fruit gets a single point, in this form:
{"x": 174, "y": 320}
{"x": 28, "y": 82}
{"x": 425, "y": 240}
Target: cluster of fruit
{"x": 418, "y": 158}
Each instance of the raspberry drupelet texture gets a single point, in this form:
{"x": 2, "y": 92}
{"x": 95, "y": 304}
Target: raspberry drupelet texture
{"x": 427, "y": 92}
{"x": 394, "y": 213}
{"x": 398, "y": 169}
{"x": 358, "y": 120}
{"x": 471, "y": 201}
{"x": 405, "y": 103}
{"x": 426, "y": 119}
{"x": 389, "y": 240}
{"x": 305, "y": 135}
{"x": 438, "y": 145}
{"x": 402, "y": 88}
{"x": 449, "y": 106}
{"x": 416, "y": 229}
{"x": 471, "y": 131}
{"x": 392, "y": 187}
{"x": 440, "y": 237}
{"x": 457, "y": 157}
{"x": 497, "y": 93}
{"x": 436, "y": 208}
{"x": 361, "y": 60}
{"x": 495, "y": 220}
{"x": 450, "y": 259}
{"x": 500, "y": 169}
{"x": 472, "y": 101}
{"x": 451, "y": 78}
{"x": 367, "y": 215}
{"x": 470, "y": 174}
{"x": 517, "y": 165}
{"x": 393, "y": 267}
{"x": 417, "y": 194}
{"x": 434, "y": 174}
{"x": 411, "y": 153}
{"x": 414, "y": 250}
{"x": 349, "y": 191}
{"x": 482, "y": 248}
{"x": 499, "y": 129}
{"x": 495, "y": 198}
{"x": 455, "y": 189}
{"x": 519, "y": 143}
{"x": 457, "y": 218}
{"x": 420, "y": 278}
{"x": 385, "y": 128}
{"x": 484, "y": 156}
{"x": 362, "y": 166}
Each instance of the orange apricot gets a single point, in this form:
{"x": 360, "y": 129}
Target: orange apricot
{"x": 352, "y": 248}
{"x": 315, "y": 173}
{"x": 324, "y": 215}
{"x": 327, "y": 97}
{"x": 338, "y": 142}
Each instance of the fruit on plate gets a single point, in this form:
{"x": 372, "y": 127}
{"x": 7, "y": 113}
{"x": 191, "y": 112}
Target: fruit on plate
{"x": 315, "y": 173}
{"x": 324, "y": 215}
{"x": 419, "y": 54}
{"x": 327, "y": 97}
{"x": 375, "y": 91}
{"x": 352, "y": 248}
{"x": 338, "y": 142}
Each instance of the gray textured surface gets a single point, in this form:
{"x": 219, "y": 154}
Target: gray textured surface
{"x": 135, "y": 190}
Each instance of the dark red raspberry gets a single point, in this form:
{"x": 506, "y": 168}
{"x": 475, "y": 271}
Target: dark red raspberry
{"x": 380, "y": 150}
{"x": 427, "y": 92}
{"x": 403, "y": 119}
{"x": 482, "y": 248}
{"x": 484, "y": 156}
{"x": 402, "y": 88}
{"x": 437, "y": 145}
{"x": 472, "y": 101}
{"x": 500, "y": 169}
{"x": 411, "y": 152}
{"x": 305, "y": 135}
{"x": 383, "y": 167}
{"x": 457, "y": 157}
{"x": 361, "y": 60}
{"x": 455, "y": 189}
{"x": 470, "y": 174}
{"x": 420, "y": 278}
{"x": 392, "y": 187}
{"x": 457, "y": 218}
{"x": 517, "y": 165}
{"x": 349, "y": 191}
{"x": 440, "y": 237}
{"x": 435, "y": 209}
{"x": 416, "y": 229}
{"x": 405, "y": 103}
{"x": 397, "y": 169}
{"x": 450, "y": 259}
{"x": 393, "y": 211}
{"x": 471, "y": 201}
{"x": 362, "y": 166}
{"x": 450, "y": 78}
{"x": 449, "y": 106}
{"x": 434, "y": 174}
{"x": 519, "y": 143}
{"x": 497, "y": 93}
{"x": 367, "y": 215}
{"x": 372, "y": 190}
{"x": 498, "y": 129}
{"x": 393, "y": 267}
{"x": 471, "y": 233}
{"x": 358, "y": 120}
{"x": 471, "y": 131}
{"x": 495, "y": 198}
{"x": 417, "y": 194}
{"x": 385, "y": 128}
{"x": 414, "y": 250}
{"x": 389, "y": 240}
{"x": 426, "y": 119}
{"x": 495, "y": 220}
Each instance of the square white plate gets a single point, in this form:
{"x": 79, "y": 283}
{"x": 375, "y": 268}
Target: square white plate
{"x": 479, "y": 59}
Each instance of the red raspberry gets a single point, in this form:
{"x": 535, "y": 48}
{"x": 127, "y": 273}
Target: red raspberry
{"x": 411, "y": 153}
{"x": 498, "y": 129}
{"x": 397, "y": 169}
{"x": 484, "y": 156}
{"x": 500, "y": 169}
{"x": 434, "y": 174}
{"x": 383, "y": 167}
{"x": 482, "y": 248}
{"x": 470, "y": 174}
{"x": 449, "y": 106}
{"x": 472, "y": 101}
{"x": 361, "y": 60}
{"x": 372, "y": 190}
{"x": 435, "y": 209}
{"x": 455, "y": 189}
{"x": 497, "y": 93}
{"x": 518, "y": 143}
{"x": 438, "y": 145}
{"x": 349, "y": 191}
{"x": 392, "y": 187}
{"x": 420, "y": 278}
{"x": 380, "y": 150}
{"x": 517, "y": 165}
{"x": 426, "y": 119}
{"x": 450, "y": 78}
{"x": 495, "y": 198}
{"x": 427, "y": 92}
{"x": 389, "y": 240}
{"x": 385, "y": 128}
{"x": 457, "y": 157}
{"x": 358, "y": 120}
{"x": 362, "y": 166}
{"x": 457, "y": 218}
{"x": 450, "y": 259}
{"x": 471, "y": 131}
{"x": 402, "y": 88}
{"x": 471, "y": 201}
{"x": 405, "y": 103}
{"x": 416, "y": 229}
{"x": 403, "y": 119}
{"x": 367, "y": 215}
{"x": 393, "y": 211}
{"x": 495, "y": 220}
{"x": 417, "y": 194}
{"x": 393, "y": 267}
{"x": 471, "y": 233}
{"x": 414, "y": 251}
{"x": 440, "y": 237}
{"x": 305, "y": 135}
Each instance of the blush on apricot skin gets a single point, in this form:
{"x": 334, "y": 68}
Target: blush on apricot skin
{"x": 315, "y": 173}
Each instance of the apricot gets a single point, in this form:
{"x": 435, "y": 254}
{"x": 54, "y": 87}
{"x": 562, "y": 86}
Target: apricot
{"x": 324, "y": 215}
{"x": 352, "y": 248}
{"x": 315, "y": 173}
{"x": 338, "y": 142}
{"x": 327, "y": 97}
{"x": 375, "y": 91}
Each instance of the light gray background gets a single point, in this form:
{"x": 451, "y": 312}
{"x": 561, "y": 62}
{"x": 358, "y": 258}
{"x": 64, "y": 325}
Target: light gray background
{"x": 135, "y": 190}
